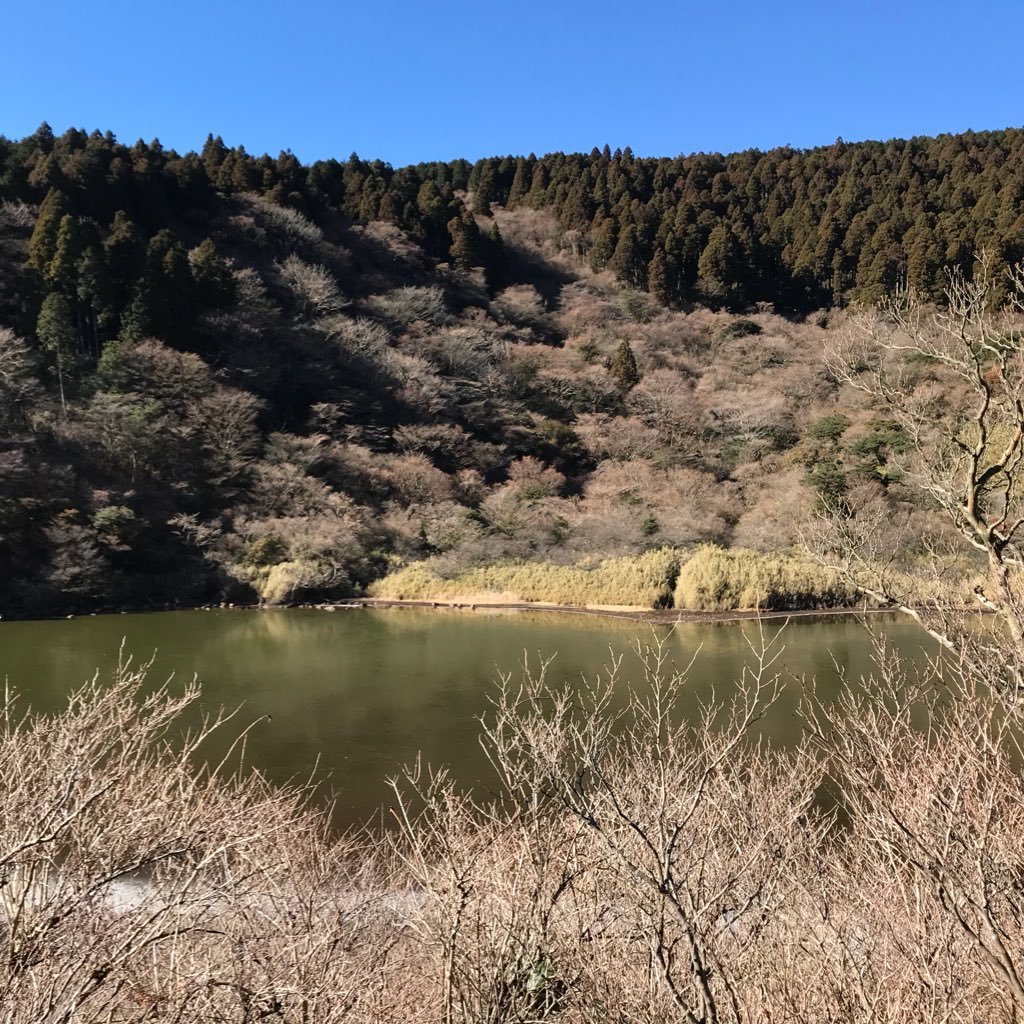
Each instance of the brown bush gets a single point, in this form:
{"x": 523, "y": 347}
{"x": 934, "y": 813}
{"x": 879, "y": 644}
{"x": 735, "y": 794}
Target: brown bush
{"x": 638, "y": 865}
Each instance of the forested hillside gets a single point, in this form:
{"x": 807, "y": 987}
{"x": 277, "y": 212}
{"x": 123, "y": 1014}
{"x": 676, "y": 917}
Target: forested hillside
{"x": 226, "y": 377}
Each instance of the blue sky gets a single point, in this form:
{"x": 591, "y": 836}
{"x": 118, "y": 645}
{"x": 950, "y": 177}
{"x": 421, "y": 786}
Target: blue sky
{"x": 436, "y": 79}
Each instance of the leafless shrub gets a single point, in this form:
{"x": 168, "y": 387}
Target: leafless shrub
{"x": 18, "y": 381}
{"x": 314, "y": 288}
{"x": 227, "y": 423}
{"x": 138, "y": 886}
{"x": 364, "y": 339}
{"x": 520, "y": 305}
{"x": 404, "y": 306}
{"x": 446, "y": 444}
{"x": 621, "y": 438}
{"x": 290, "y": 229}
{"x": 17, "y": 215}
{"x": 635, "y": 870}
{"x": 637, "y": 863}
{"x": 469, "y": 352}
{"x": 928, "y": 764}
{"x": 530, "y": 479}
{"x": 533, "y": 230}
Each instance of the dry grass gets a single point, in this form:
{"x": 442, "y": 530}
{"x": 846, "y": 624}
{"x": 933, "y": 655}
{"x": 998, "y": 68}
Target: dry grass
{"x": 714, "y": 579}
{"x": 643, "y": 581}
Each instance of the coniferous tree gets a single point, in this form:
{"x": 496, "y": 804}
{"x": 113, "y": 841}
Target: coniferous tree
{"x": 627, "y": 260}
{"x": 467, "y": 248}
{"x": 520, "y": 183}
{"x": 43, "y": 243}
{"x": 214, "y": 282}
{"x": 623, "y": 367}
{"x": 94, "y": 294}
{"x": 171, "y": 299}
{"x": 125, "y": 255}
{"x": 602, "y": 241}
{"x": 56, "y": 334}
{"x": 718, "y": 266}
{"x": 138, "y": 320}
{"x": 484, "y": 189}
{"x": 62, "y": 271}
{"x": 659, "y": 281}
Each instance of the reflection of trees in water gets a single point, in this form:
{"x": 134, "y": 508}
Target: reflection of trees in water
{"x": 364, "y": 690}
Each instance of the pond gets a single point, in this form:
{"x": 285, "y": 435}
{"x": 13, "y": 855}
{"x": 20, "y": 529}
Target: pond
{"x": 359, "y": 692}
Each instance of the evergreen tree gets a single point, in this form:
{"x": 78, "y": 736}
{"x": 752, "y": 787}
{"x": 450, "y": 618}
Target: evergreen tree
{"x": 95, "y": 294}
{"x": 138, "y": 320}
{"x": 659, "y": 278}
{"x": 494, "y": 256}
{"x": 43, "y": 244}
{"x": 125, "y": 255}
{"x": 56, "y": 334}
{"x": 627, "y": 260}
{"x": 718, "y": 266}
{"x": 538, "y": 185}
{"x": 62, "y": 271}
{"x": 520, "y": 183}
{"x": 485, "y": 190}
{"x": 214, "y": 282}
{"x": 602, "y": 241}
{"x": 171, "y": 299}
{"x": 467, "y": 249}
{"x": 623, "y": 367}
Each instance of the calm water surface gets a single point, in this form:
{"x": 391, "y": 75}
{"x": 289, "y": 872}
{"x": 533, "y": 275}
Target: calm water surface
{"x": 365, "y": 691}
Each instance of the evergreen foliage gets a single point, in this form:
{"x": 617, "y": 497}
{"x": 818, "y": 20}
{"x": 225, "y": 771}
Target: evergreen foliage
{"x": 623, "y": 367}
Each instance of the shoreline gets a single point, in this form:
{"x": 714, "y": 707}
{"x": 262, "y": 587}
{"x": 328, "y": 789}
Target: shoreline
{"x": 647, "y": 616}
{"x": 651, "y": 616}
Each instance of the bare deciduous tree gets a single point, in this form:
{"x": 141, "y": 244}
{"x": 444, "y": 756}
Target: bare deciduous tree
{"x": 953, "y": 381}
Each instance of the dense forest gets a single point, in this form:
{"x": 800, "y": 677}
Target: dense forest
{"x": 228, "y": 377}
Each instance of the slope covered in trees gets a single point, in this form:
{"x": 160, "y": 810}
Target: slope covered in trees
{"x": 227, "y": 377}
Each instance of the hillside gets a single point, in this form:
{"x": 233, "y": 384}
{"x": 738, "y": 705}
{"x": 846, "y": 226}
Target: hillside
{"x": 235, "y": 378}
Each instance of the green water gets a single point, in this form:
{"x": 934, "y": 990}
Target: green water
{"x": 363, "y": 691}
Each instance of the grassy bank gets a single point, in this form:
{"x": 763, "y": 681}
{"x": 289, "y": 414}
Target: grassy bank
{"x": 706, "y": 579}
{"x": 643, "y": 581}
{"x": 715, "y": 579}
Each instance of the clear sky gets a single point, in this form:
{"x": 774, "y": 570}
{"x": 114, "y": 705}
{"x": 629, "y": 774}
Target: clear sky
{"x": 411, "y": 80}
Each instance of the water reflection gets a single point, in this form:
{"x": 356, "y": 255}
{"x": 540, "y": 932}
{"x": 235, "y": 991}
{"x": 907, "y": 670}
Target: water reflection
{"x": 365, "y": 690}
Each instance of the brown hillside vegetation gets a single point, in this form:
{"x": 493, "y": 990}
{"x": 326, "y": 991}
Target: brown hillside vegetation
{"x": 233, "y": 378}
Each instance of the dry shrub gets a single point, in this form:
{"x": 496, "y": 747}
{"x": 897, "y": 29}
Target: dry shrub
{"x": 620, "y": 438}
{"x": 288, "y": 557}
{"x": 314, "y": 290}
{"x": 464, "y": 351}
{"x": 714, "y": 579}
{"x": 520, "y": 305}
{"x": 643, "y": 581}
{"x": 530, "y": 479}
{"x": 638, "y": 864}
{"x": 413, "y": 479}
{"x": 688, "y": 505}
{"x": 536, "y": 231}
{"x": 776, "y": 506}
{"x": 649, "y": 867}
{"x": 290, "y": 230}
{"x": 583, "y": 307}
{"x": 137, "y": 886}
{"x": 17, "y": 216}
{"x": 19, "y": 384}
{"x": 405, "y": 306}
{"x": 439, "y": 526}
{"x": 361, "y": 339}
